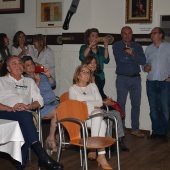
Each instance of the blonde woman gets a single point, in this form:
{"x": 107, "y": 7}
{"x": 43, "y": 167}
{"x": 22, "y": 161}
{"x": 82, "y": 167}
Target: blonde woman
{"x": 87, "y": 92}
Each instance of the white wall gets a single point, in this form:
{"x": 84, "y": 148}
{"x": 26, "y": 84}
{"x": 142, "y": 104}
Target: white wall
{"x": 109, "y": 17}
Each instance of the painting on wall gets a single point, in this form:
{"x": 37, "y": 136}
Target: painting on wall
{"x": 139, "y": 11}
{"x": 11, "y": 6}
{"x": 49, "y": 14}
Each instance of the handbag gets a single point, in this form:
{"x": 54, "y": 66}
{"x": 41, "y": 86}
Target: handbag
{"x": 117, "y": 107}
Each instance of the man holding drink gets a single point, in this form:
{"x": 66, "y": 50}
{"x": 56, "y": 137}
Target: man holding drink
{"x": 129, "y": 56}
{"x": 157, "y": 84}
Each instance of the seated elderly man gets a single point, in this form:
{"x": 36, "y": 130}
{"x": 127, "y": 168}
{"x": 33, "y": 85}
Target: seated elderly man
{"x": 19, "y": 95}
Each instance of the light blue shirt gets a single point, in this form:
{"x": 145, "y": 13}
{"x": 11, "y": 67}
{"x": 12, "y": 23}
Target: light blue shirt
{"x": 159, "y": 59}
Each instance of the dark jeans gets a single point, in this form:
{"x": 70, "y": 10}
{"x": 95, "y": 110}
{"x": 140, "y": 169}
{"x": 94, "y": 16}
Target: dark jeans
{"x": 158, "y": 95}
{"x": 25, "y": 121}
{"x": 131, "y": 85}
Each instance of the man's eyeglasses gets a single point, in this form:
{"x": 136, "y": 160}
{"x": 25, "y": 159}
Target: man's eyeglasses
{"x": 21, "y": 87}
{"x": 85, "y": 72}
{"x": 154, "y": 33}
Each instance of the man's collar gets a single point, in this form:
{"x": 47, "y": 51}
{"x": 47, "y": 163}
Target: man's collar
{"x": 11, "y": 77}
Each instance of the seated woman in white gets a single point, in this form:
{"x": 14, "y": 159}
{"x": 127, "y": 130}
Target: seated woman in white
{"x": 88, "y": 93}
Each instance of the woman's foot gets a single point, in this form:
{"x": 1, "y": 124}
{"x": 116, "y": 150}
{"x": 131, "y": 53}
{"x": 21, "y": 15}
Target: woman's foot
{"x": 50, "y": 145}
{"x": 101, "y": 159}
{"x": 91, "y": 156}
{"x": 122, "y": 145}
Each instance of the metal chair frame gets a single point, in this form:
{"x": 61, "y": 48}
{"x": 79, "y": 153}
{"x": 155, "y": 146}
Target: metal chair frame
{"x": 85, "y": 135}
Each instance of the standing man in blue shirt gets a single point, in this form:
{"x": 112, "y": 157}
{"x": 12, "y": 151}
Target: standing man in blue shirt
{"x": 157, "y": 84}
{"x": 129, "y": 56}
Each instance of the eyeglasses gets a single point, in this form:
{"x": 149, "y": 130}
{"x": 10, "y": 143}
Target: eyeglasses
{"x": 154, "y": 33}
{"x": 21, "y": 87}
{"x": 85, "y": 72}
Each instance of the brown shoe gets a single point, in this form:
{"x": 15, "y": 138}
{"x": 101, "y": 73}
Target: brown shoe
{"x": 137, "y": 133}
{"x": 101, "y": 160}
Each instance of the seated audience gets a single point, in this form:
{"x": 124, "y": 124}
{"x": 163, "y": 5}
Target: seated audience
{"x": 87, "y": 92}
{"x": 44, "y": 55}
{"x": 18, "y": 96}
{"x": 20, "y": 46}
{"x": 92, "y": 63}
{"x": 45, "y": 82}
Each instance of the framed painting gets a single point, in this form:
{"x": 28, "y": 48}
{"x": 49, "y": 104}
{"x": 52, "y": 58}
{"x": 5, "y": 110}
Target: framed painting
{"x": 49, "y": 13}
{"x": 11, "y": 6}
{"x": 139, "y": 11}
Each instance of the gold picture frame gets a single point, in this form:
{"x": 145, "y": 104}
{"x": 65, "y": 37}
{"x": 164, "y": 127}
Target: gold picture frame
{"x": 49, "y": 13}
{"x": 139, "y": 11}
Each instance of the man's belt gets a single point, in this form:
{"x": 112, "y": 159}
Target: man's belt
{"x": 133, "y": 75}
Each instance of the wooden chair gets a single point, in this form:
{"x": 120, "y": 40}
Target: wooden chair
{"x": 64, "y": 97}
{"x": 72, "y": 114}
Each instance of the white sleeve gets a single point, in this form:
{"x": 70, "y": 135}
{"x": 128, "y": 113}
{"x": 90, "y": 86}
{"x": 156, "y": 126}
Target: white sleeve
{"x": 98, "y": 99}
{"x": 35, "y": 94}
{"x": 72, "y": 93}
{"x": 31, "y": 52}
{"x": 15, "y": 51}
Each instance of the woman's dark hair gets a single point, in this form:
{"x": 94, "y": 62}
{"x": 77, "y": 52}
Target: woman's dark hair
{"x": 3, "y": 70}
{"x": 27, "y": 58}
{"x": 87, "y": 34}
{"x": 16, "y": 41}
{"x": 40, "y": 39}
{"x": 89, "y": 59}
{"x": 2, "y": 41}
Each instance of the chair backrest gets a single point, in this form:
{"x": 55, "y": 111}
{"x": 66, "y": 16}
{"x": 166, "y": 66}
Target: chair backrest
{"x": 72, "y": 109}
{"x": 64, "y": 97}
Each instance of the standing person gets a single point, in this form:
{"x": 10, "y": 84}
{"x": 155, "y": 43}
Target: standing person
{"x": 157, "y": 84}
{"x": 18, "y": 96}
{"x": 4, "y": 51}
{"x": 87, "y": 92}
{"x": 44, "y": 55}
{"x": 92, "y": 63}
{"x": 45, "y": 83}
{"x": 129, "y": 56}
{"x": 20, "y": 46}
{"x": 91, "y": 48}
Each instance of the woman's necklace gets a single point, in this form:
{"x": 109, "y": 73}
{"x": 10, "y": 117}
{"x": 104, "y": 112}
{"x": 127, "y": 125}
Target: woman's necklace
{"x": 83, "y": 91}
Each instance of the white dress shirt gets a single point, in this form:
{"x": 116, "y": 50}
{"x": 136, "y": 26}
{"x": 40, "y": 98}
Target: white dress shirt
{"x": 14, "y": 91}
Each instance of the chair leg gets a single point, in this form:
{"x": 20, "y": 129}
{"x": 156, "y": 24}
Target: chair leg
{"x": 60, "y": 142}
{"x": 117, "y": 143}
{"x": 81, "y": 158}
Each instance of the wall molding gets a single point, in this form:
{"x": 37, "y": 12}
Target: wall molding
{"x": 78, "y": 38}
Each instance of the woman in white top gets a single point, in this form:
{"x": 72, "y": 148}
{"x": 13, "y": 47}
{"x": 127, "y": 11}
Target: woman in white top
{"x": 44, "y": 55}
{"x": 88, "y": 93}
{"x": 20, "y": 47}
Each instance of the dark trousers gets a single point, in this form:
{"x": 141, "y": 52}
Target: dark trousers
{"x": 158, "y": 93}
{"x": 25, "y": 121}
{"x": 131, "y": 85}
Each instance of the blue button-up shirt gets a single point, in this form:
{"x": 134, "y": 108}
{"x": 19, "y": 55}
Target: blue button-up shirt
{"x": 159, "y": 59}
{"x": 126, "y": 63}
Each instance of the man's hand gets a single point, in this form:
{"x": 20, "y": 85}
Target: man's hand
{"x": 21, "y": 107}
{"x": 147, "y": 68}
{"x": 129, "y": 51}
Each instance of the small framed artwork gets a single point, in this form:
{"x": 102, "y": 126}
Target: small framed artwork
{"x": 139, "y": 11}
{"x": 49, "y": 13}
{"x": 11, "y": 6}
